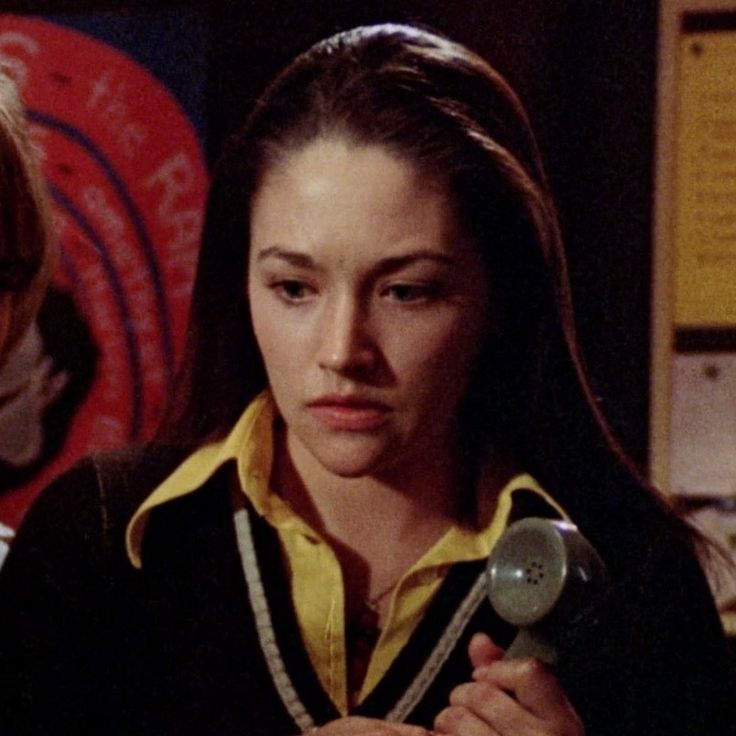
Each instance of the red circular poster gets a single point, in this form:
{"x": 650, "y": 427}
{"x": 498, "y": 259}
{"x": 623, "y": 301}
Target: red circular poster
{"x": 128, "y": 182}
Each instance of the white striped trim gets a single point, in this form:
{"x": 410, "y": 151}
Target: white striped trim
{"x": 442, "y": 650}
{"x": 264, "y": 625}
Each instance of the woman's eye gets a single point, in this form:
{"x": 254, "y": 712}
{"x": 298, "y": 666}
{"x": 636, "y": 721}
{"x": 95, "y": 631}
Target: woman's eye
{"x": 411, "y": 292}
{"x": 291, "y": 290}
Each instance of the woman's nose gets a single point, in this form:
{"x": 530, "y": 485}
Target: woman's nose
{"x": 345, "y": 343}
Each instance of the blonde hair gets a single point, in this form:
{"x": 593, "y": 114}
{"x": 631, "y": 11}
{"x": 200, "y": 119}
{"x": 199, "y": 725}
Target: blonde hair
{"x": 27, "y": 246}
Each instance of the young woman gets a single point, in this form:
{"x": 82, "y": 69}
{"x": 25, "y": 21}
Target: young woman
{"x": 382, "y": 375}
{"x": 27, "y": 248}
{"x": 46, "y": 357}
{"x": 27, "y": 258}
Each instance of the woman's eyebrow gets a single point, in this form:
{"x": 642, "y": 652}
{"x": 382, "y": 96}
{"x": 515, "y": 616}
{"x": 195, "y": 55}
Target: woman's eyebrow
{"x": 385, "y": 265}
{"x": 396, "y": 263}
{"x": 292, "y": 257}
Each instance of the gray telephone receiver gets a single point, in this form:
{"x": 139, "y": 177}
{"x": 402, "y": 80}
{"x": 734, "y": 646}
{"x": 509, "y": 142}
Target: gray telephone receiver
{"x": 539, "y": 574}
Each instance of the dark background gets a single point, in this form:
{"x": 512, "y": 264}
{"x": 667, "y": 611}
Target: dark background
{"x": 586, "y": 71}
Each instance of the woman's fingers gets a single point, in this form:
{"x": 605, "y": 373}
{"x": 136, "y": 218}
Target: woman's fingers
{"x": 458, "y": 721}
{"x": 533, "y": 685}
{"x": 483, "y": 651}
{"x": 533, "y": 688}
{"x": 507, "y": 698}
{"x": 482, "y": 708}
{"x": 358, "y": 726}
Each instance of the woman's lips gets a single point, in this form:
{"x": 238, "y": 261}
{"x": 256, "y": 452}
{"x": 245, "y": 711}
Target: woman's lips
{"x": 353, "y": 415}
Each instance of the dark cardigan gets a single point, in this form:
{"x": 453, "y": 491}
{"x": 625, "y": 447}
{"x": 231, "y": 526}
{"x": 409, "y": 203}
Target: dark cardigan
{"x": 88, "y": 644}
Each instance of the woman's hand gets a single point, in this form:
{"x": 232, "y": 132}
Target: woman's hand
{"x": 357, "y": 726}
{"x": 507, "y": 698}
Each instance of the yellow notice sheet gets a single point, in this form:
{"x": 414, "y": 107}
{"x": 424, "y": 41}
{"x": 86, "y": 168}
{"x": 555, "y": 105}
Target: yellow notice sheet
{"x": 704, "y": 234}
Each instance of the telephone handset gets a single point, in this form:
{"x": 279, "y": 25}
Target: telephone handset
{"x": 539, "y": 574}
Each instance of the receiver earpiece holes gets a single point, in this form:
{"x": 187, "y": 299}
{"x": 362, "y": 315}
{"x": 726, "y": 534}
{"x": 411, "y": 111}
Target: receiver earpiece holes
{"x": 534, "y": 573}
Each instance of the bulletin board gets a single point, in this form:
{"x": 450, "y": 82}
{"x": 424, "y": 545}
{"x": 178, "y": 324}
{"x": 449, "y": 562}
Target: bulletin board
{"x": 704, "y": 236}
{"x": 693, "y": 408}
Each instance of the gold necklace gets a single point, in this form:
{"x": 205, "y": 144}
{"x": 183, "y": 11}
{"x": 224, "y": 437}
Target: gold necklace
{"x": 373, "y": 602}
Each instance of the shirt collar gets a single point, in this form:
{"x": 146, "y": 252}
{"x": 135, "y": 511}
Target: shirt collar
{"x": 249, "y": 444}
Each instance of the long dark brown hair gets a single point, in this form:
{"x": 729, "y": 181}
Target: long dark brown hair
{"x": 437, "y": 105}
{"x": 28, "y": 248}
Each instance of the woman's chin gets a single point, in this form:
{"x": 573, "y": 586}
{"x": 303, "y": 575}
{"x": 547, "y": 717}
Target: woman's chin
{"x": 354, "y": 459}
{"x": 347, "y": 454}
{"x": 351, "y": 466}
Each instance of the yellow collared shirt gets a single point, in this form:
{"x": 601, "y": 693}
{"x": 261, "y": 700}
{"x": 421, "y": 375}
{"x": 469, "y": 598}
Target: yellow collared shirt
{"x": 311, "y": 561}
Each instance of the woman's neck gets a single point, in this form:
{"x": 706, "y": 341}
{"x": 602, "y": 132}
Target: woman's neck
{"x": 392, "y": 501}
{"x": 378, "y": 525}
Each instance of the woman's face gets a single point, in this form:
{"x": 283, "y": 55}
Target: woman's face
{"x": 369, "y": 305}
